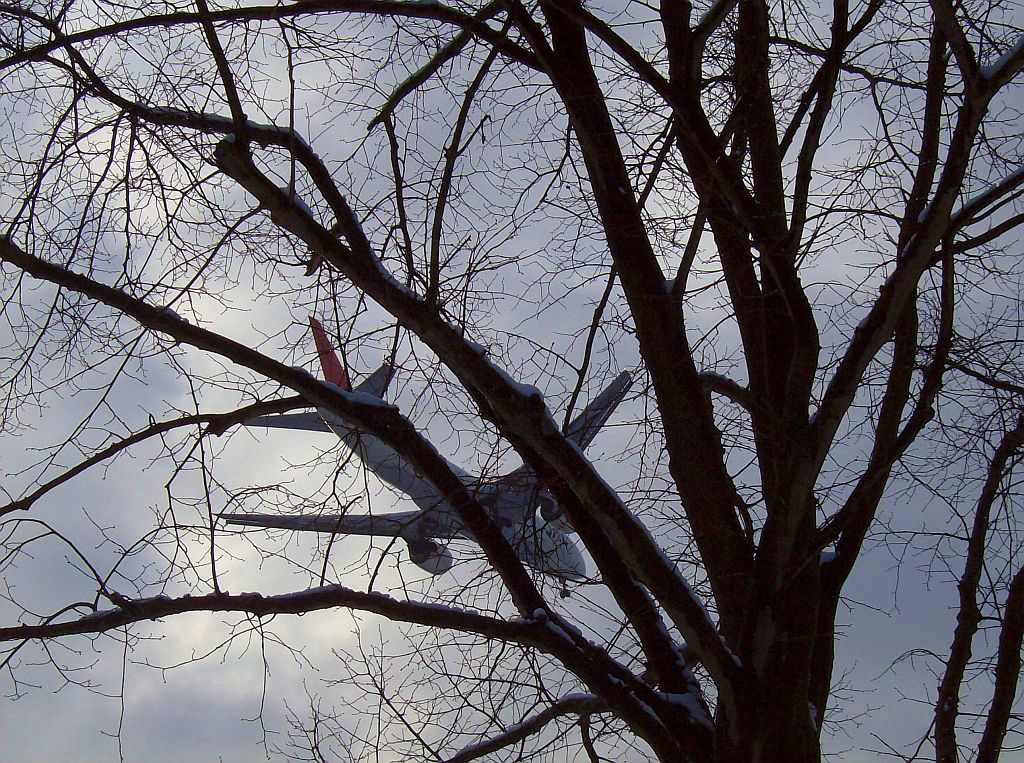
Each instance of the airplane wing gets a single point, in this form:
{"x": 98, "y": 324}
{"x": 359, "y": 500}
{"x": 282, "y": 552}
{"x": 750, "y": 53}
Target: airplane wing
{"x": 585, "y": 427}
{"x": 414, "y": 527}
{"x": 311, "y": 422}
{"x": 384, "y": 524}
{"x": 523, "y": 484}
{"x": 399, "y": 524}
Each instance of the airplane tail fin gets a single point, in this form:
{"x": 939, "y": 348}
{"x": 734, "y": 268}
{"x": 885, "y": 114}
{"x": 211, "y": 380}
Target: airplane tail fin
{"x": 334, "y": 371}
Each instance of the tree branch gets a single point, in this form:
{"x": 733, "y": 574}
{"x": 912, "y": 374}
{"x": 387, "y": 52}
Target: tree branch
{"x": 947, "y": 700}
{"x": 945, "y": 17}
{"x": 129, "y": 611}
{"x": 445, "y": 54}
{"x": 432, "y": 11}
{"x": 216, "y": 424}
{"x": 1007, "y": 673}
{"x": 578, "y": 704}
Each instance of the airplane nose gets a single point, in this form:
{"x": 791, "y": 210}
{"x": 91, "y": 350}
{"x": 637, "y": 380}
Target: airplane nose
{"x": 569, "y": 560}
{"x": 577, "y": 564}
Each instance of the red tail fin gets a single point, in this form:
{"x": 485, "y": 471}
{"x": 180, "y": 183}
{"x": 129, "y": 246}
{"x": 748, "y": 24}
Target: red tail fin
{"x": 334, "y": 372}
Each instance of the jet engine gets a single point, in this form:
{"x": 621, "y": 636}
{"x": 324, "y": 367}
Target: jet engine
{"x": 430, "y": 556}
{"x": 552, "y": 515}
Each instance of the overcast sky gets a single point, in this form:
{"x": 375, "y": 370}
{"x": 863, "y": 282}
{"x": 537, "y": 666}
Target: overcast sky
{"x": 202, "y": 687}
{"x": 231, "y": 705}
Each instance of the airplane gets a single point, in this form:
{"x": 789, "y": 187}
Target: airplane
{"x": 512, "y": 500}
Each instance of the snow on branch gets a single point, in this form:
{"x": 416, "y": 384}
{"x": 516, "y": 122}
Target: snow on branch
{"x": 973, "y": 207}
{"x": 1006, "y": 67}
{"x": 726, "y": 387}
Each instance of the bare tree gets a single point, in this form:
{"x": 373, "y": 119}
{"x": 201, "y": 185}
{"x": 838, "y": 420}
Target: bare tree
{"x": 799, "y": 221}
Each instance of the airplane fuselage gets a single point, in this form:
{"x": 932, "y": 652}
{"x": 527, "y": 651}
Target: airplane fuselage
{"x": 537, "y": 544}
